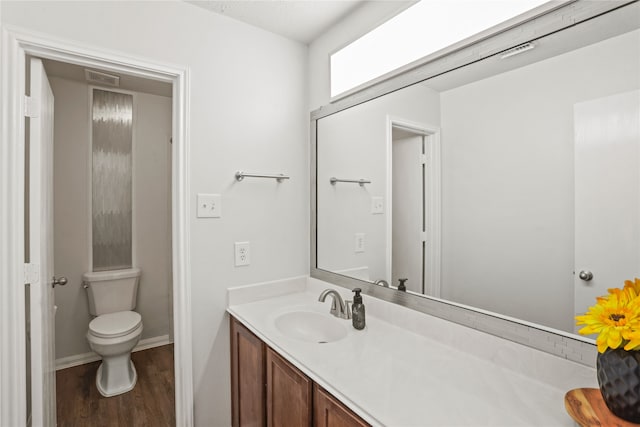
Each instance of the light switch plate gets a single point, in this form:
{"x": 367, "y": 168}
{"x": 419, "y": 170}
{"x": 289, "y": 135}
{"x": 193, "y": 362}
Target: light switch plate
{"x": 377, "y": 205}
{"x": 209, "y": 206}
{"x": 359, "y": 242}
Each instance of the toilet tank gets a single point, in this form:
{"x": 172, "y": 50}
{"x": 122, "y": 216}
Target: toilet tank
{"x": 112, "y": 291}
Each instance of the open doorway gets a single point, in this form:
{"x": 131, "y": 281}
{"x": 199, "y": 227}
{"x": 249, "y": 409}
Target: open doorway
{"x": 111, "y": 212}
{"x": 413, "y": 228}
{"x": 408, "y": 243}
{"x": 20, "y": 47}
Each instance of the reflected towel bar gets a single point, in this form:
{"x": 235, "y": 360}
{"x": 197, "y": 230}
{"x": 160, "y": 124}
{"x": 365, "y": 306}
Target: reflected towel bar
{"x": 361, "y": 182}
{"x": 242, "y": 175}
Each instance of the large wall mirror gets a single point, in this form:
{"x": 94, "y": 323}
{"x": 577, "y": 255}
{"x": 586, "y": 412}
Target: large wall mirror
{"x": 510, "y": 185}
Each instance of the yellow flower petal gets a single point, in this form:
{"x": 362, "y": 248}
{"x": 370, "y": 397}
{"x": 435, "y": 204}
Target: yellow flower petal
{"x": 601, "y": 342}
{"x": 634, "y": 340}
{"x": 635, "y": 285}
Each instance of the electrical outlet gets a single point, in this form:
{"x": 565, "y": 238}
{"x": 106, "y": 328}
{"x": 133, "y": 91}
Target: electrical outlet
{"x": 377, "y": 205}
{"x": 359, "y": 242}
{"x": 209, "y": 206}
{"x": 242, "y": 253}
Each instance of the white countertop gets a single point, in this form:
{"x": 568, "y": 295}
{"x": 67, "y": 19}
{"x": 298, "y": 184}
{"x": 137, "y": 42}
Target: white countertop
{"x": 445, "y": 375}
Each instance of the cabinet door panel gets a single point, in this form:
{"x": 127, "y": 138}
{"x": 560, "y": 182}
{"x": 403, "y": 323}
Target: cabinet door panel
{"x": 247, "y": 377}
{"x": 329, "y": 412}
{"x": 288, "y": 394}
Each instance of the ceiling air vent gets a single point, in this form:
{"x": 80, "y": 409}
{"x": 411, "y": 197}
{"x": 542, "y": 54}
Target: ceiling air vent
{"x": 101, "y": 78}
{"x": 517, "y": 50}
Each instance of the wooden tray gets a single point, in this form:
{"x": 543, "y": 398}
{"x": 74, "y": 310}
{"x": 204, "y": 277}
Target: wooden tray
{"x": 587, "y": 408}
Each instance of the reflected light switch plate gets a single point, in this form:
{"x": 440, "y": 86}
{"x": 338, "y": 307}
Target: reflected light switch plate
{"x": 359, "y": 242}
{"x": 377, "y": 205}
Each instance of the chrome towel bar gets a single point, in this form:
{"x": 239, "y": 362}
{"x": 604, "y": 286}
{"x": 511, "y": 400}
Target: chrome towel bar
{"x": 360, "y": 182}
{"x": 242, "y": 175}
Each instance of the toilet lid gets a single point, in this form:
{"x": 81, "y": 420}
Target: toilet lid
{"x": 115, "y": 324}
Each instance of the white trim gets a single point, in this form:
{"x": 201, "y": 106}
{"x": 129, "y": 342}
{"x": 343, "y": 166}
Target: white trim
{"x": 12, "y": 312}
{"x": 433, "y": 210}
{"x": 17, "y": 43}
{"x": 84, "y": 358}
{"x": 152, "y": 342}
{"x": 433, "y": 201}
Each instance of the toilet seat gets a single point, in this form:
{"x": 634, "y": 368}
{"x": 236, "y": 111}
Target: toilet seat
{"x": 114, "y": 325}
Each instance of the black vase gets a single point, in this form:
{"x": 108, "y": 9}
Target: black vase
{"x": 619, "y": 379}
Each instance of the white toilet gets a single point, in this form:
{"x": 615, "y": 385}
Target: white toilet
{"x": 116, "y": 330}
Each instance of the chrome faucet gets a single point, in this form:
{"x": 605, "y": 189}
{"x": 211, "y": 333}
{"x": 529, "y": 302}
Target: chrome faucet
{"x": 339, "y": 307}
{"x": 381, "y": 282}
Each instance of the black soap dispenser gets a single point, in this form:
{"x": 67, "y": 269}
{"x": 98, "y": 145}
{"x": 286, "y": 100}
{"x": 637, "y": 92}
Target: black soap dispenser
{"x": 357, "y": 310}
{"x": 402, "y": 287}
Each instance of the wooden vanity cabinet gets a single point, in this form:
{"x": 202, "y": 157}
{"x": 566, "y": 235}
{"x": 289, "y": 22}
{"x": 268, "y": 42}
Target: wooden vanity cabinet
{"x": 267, "y": 390}
{"x": 248, "y": 377}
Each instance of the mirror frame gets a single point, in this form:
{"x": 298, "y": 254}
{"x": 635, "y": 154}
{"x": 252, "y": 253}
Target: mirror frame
{"x": 539, "y": 22}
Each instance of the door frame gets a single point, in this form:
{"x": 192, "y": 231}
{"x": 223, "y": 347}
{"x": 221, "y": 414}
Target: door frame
{"x": 16, "y": 45}
{"x": 433, "y": 201}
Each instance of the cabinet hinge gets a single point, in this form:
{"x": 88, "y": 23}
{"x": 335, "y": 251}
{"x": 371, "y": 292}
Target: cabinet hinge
{"x": 423, "y": 236}
{"x": 423, "y": 159}
{"x": 31, "y": 273}
{"x": 31, "y": 107}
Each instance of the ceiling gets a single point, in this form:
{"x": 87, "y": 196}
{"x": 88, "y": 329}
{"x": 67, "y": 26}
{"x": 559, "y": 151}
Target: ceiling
{"x": 300, "y": 20}
{"x": 127, "y": 82}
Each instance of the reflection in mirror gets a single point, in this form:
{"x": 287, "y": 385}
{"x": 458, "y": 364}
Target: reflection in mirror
{"x": 493, "y": 183}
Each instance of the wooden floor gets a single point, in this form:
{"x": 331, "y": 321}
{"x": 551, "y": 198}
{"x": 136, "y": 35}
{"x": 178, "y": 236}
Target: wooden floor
{"x": 150, "y": 403}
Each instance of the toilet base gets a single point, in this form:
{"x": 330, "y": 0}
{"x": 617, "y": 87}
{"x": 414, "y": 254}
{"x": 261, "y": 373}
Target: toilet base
{"x": 116, "y": 375}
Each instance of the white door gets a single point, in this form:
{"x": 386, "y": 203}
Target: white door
{"x": 407, "y": 249}
{"x": 43, "y": 381}
{"x": 607, "y": 195}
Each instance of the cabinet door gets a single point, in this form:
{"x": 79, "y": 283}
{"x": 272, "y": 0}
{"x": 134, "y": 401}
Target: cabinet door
{"x": 329, "y": 412}
{"x": 247, "y": 377}
{"x": 288, "y": 394}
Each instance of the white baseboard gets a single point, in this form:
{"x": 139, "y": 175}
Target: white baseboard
{"x": 84, "y": 358}
{"x": 148, "y": 343}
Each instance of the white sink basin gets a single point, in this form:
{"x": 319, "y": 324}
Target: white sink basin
{"x": 311, "y": 327}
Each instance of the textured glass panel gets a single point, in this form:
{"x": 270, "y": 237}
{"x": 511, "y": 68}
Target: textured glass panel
{"x": 112, "y": 117}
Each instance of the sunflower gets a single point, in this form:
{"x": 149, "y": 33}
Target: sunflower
{"x": 615, "y": 318}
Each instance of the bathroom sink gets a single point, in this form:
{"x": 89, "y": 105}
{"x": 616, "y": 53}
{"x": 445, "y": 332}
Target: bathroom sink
{"x": 311, "y": 327}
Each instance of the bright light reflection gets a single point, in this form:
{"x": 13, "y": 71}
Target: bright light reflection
{"x": 424, "y": 28}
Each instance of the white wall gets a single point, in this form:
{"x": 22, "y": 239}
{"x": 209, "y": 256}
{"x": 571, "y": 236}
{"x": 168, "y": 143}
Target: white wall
{"x": 72, "y": 212}
{"x": 353, "y": 145}
{"x": 248, "y": 110}
{"x": 151, "y": 156}
{"x": 508, "y": 205}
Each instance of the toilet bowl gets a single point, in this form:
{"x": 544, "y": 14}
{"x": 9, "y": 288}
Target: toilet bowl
{"x": 116, "y": 329}
{"x": 113, "y": 336}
